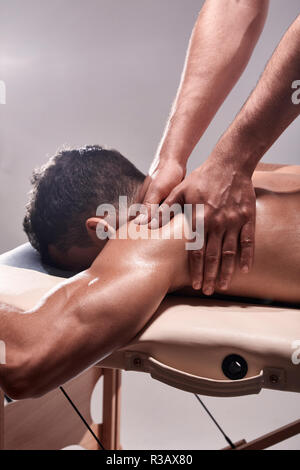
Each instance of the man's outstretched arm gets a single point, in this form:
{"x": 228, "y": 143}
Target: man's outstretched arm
{"x": 89, "y": 316}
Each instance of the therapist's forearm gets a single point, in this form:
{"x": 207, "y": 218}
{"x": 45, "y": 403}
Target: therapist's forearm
{"x": 268, "y": 111}
{"x": 222, "y": 42}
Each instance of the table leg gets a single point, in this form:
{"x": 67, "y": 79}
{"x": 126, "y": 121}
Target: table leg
{"x": 111, "y": 409}
{"x": 1, "y": 420}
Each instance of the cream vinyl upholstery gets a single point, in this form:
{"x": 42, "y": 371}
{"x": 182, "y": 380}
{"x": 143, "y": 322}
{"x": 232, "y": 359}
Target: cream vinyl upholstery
{"x": 207, "y": 346}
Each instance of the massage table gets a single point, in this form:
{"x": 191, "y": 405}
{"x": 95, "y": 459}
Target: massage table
{"x": 221, "y": 347}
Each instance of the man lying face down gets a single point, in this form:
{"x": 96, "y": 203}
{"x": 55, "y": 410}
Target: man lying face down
{"x": 61, "y": 221}
{"x": 102, "y": 308}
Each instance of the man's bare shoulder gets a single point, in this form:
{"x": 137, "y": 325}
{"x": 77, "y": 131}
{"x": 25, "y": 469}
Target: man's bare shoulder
{"x": 277, "y": 168}
{"x": 138, "y": 247}
{"x": 283, "y": 179}
{"x": 269, "y": 166}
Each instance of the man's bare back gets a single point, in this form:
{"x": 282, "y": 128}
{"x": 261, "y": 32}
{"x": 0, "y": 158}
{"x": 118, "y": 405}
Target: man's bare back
{"x": 276, "y": 271}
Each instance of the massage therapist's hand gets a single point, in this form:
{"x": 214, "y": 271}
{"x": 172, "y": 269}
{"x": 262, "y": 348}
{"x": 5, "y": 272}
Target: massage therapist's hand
{"x": 229, "y": 223}
{"x": 162, "y": 179}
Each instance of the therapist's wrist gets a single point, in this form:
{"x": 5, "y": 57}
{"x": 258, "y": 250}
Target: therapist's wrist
{"x": 167, "y": 161}
{"x": 175, "y": 157}
{"x": 176, "y": 149}
{"x": 240, "y": 153}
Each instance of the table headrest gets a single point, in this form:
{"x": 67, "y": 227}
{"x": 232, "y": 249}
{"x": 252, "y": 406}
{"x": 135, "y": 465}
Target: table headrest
{"x": 25, "y": 256}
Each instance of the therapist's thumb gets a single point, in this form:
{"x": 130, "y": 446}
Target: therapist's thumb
{"x": 150, "y": 200}
{"x": 168, "y": 209}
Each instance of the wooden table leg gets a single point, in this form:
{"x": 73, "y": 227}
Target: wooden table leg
{"x": 118, "y": 411}
{"x": 1, "y": 420}
{"x": 272, "y": 438}
{"x": 111, "y": 409}
{"x": 236, "y": 444}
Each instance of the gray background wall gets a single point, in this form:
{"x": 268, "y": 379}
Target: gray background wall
{"x": 106, "y": 71}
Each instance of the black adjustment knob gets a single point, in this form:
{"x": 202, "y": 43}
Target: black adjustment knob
{"x": 234, "y": 367}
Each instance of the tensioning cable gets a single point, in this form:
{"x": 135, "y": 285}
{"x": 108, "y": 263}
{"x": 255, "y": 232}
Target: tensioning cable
{"x": 216, "y": 423}
{"x": 82, "y": 418}
{"x": 228, "y": 440}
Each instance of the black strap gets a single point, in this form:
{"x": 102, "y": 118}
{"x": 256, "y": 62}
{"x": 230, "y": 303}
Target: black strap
{"x": 82, "y": 418}
{"x": 216, "y": 423}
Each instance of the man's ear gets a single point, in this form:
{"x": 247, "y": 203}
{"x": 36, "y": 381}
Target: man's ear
{"x": 99, "y": 230}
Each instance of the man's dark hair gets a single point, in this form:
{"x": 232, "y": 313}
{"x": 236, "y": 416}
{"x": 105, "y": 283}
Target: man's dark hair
{"x": 69, "y": 188}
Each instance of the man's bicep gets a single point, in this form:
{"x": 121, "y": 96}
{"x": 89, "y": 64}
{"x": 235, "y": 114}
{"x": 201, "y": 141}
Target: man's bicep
{"x": 86, "y": 319}
{"x": 122, "y": 299}
{"x": 131, "y": 277}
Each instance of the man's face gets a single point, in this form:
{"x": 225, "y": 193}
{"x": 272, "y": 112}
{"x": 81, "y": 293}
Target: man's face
{"x": 75, "y": 258}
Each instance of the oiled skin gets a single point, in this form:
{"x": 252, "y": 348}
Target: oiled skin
{"x": 89, "y": 316}
{"x": 276, "y": 271}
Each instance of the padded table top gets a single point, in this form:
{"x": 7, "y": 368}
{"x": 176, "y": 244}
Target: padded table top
{"x": 26, "y": 257}
{"x": 186, "y": 341}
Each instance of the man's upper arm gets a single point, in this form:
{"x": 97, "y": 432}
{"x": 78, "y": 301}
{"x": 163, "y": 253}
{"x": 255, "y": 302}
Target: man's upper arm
{"x": 100, "y": 310}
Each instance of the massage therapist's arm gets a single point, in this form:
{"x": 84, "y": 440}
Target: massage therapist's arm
{"x": 223, "y": 183}
{"x": 89, "y": 316}
{"x": 221, "y": 45}
{"x": 269, "y": 109}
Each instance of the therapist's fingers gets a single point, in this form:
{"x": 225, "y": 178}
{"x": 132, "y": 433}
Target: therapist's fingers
{"x": 196, "y": 264}
{"x": 143, "y": 189}
{"x": 152, "y": 197}
{"x": 212, "y": 261}
{"x": 228, "y": 260}
{"x": 196, "y": 256}
{"x": 171, "y": 206}
{"x": 159, "y": 186}
{"x": 247, "y": 242}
